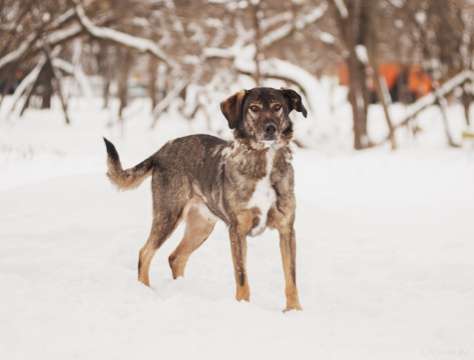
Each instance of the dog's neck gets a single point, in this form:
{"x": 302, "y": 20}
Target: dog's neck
{"x": 252, "y": 145}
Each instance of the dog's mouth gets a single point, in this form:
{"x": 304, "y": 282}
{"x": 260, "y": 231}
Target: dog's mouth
{"x": 269, "y": 138}
{"x": 269, "y": 143}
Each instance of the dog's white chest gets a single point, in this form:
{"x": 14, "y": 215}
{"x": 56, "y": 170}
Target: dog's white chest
{"x": 264, "y": 196}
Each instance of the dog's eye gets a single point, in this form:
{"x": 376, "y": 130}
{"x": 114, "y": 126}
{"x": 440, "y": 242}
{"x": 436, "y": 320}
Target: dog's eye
{"x": 277, "y": 107}
{"x": 254, "y": 108}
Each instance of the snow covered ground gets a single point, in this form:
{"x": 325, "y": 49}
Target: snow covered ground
{"x": 385, "y": 255}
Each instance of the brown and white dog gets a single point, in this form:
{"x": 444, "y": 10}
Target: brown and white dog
{"x": 247, "y": 183}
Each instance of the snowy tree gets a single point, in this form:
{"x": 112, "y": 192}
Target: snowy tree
{"x": 180, "y": 56}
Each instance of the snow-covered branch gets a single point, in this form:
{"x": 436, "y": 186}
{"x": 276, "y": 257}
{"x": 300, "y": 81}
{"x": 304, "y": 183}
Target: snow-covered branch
{"x": 267, "y": 23}
{"x": 18, "y": 52}
{"x": 326, "y": 37}
{"x": 62, "y": 19}
{"x": 163, "y": 104}
{"x": 58, "y": 36}
{"x": 75, "y": 71}
{"x": 341, "y": 8}
{"x": 432, "y": 98}
{"x": 272, "y": 37}
{"x": 34, "y": 43}
{"x": 27, "y": 82}
{"x": 221, "y": 53}
{"x": 134, "y": 42}
{"x": 442, "y": 91}
{"x": 286, "y": 30}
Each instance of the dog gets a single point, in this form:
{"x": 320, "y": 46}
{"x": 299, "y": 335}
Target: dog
{"x": 248, "y": 183}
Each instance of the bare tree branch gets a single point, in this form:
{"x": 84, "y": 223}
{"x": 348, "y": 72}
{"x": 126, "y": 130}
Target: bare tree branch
{"x": 130, "y": 41}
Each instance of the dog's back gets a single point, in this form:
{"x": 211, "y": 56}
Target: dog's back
{"x": 195, "y": 155}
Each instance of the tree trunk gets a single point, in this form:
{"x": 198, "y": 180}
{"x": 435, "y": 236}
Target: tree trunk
{"x": 358, "y": 100}
{"x": 152, "y": 79}
{"x": 8, "y": 76}
{"x": 30, "y": 93}
{"x": 123, "y": 82}
{"x": 46, "y": 80}
{"x": 104, "y": 64}
{"x": 372, "y": 45}
{"x": 353, "y": 30}
{"x": 384, "y": 97}
{"x": 56, "y": 84}
{"x": 381, "y": 93}
{"x": 466, "y": 100}
{"x": 442, "y": 103}
{"x": 256, "y": 24}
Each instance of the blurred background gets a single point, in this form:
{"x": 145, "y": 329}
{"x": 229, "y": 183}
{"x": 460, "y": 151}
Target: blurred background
{"x": 373, "y": 73}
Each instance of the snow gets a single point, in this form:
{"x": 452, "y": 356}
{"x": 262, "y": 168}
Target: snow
{"x": 326, "y": 37}
{"x": 397, "y": 3}
{"x": 361, "y": 52}
{"x": 384, "y": 253}
{"x": 420, "y": 17}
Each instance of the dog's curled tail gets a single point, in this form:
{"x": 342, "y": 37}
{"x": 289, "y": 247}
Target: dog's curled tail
{"x": 129, "y": 178}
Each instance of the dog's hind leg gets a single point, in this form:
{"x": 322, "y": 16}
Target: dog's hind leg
{"x": 199, "y": 225}
{"x": 164, "y": 224}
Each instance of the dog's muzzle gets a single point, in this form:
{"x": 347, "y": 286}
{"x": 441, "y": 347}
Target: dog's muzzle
{"x": 269, "y": 131}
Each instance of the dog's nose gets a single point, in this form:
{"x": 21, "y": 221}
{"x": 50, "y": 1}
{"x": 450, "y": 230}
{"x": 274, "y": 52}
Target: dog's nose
{"x": 270, "y": 129}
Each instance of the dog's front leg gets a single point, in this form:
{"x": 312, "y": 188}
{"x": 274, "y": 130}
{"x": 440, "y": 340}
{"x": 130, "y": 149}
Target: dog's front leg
{"x": 238, "y": 240}
{"x": 288, "y": 254}
{"x": 238, "y": 244}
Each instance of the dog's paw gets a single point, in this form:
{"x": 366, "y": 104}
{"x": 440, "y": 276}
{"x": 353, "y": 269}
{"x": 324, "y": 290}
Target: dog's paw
{"x": 296, "y": 307}
{"x": 242, "y": 294}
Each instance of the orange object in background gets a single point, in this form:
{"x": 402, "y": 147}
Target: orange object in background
{"x": 343, "y": 74}
{"x": 415, "y": 80}
{"x": 390, "y": 73}
{"x": 419, "y": 82}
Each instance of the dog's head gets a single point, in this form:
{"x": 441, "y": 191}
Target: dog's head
{"x": 261, "y": 115}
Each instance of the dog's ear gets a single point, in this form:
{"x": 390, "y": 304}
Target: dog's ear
{"x": 294, "y": 101}
{"x": 232, "y": 108}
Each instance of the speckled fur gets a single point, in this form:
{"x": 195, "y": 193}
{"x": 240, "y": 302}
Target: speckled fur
{"x": 202, "y": 178}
